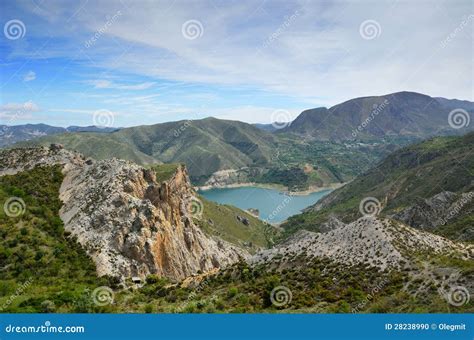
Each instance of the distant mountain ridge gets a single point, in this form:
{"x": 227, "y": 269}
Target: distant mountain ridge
{"x": 397, "y": 114}
{"x": 320, "y": 147}
{"x": 12, "y": 134}
{"x": 206, "y": 146}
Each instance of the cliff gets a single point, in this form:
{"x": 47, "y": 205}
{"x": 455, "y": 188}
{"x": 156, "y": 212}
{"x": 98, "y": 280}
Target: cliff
{"x": 128, "y": 222}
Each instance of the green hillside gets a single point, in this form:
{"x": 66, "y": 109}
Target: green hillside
{"x": 209, "y": 145}
{"x": 205, "y": 146}
{"x": 46, "y": 270}
{"x": 35, "y": 251}
{"x": 416, "y": 172}
{"x": 223, "y": 221}
{"x": 52, "y": 270}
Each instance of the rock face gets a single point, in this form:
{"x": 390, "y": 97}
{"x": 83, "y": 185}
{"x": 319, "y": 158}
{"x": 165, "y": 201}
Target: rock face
{"x": 129, "y": 223}
{"x": 232, "y": 176}
{"x": 437, "y": 210}
{"x": 378, "y": 243}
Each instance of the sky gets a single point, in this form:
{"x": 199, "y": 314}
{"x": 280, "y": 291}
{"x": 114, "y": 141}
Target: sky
{"x": 147, "y": 62}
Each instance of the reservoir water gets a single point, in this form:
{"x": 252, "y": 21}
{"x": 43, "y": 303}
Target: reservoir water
{"x": 274, "y": 206}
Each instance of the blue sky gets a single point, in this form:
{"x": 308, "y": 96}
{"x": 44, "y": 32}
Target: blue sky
{"x": 150, "y": 62}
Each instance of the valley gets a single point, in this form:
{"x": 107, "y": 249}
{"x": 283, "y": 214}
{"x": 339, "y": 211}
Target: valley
{"x": 268, "y": 170}
{"x": 114, "y": 221}
{"x": 298, "y": 156}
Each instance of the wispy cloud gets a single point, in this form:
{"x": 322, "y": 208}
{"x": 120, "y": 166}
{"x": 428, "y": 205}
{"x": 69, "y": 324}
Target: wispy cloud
{"x": 304, "y": 53}
{"x": 107, "y": 84}
{"x": 29, "y": 76}
{"x": 12, "y": 112}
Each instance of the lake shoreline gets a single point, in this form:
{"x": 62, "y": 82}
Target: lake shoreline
{"x": 277, "y": 187}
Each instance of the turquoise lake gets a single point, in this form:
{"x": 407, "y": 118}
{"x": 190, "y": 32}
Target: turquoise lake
{"x": 274, "y": 206}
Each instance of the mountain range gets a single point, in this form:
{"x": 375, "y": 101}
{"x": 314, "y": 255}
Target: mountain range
{"x": 17, "y": 133}
{"x": 123, "y": 220}
{"x": 396, "y": 114}
{"x": 320, "y": 147}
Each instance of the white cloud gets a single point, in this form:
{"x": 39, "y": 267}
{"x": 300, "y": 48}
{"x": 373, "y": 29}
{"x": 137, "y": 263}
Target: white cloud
{"x": 108, "y": 84}
{"x": 12, "y": 112}
{"x": 320, "y": 57}
{"x": 320, "y": 54}
{"x": 28, "y": 106}
{"x": 29, "y": 76}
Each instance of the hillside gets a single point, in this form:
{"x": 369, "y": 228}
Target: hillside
{"x": 320, "y": 148}
{"x": 78, "y": 229}
{"x": 12, "y": 134}
{"x": 398, "y": 114}
{"x": 115, "y": 207}
{"x": 220, "y": 152}
{"x": 427, "y": 185}
{"x": 205, "y": 146}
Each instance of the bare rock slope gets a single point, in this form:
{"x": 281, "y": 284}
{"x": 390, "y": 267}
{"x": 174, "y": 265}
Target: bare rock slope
{"x": 379, "y": 243}
{"x": 129, "y": 223}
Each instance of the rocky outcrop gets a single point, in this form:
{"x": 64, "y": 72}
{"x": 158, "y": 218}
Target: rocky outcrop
{"x": 129, "y": 223}
{"x": 437, "y": 210}
{"x": 228, "y": 177}
{"x": 370, "y": 241}
{"x": 22, "y": 159}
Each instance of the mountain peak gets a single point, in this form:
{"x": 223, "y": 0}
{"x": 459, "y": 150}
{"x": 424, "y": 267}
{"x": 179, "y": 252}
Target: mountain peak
{"x": 402, "y": 114}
